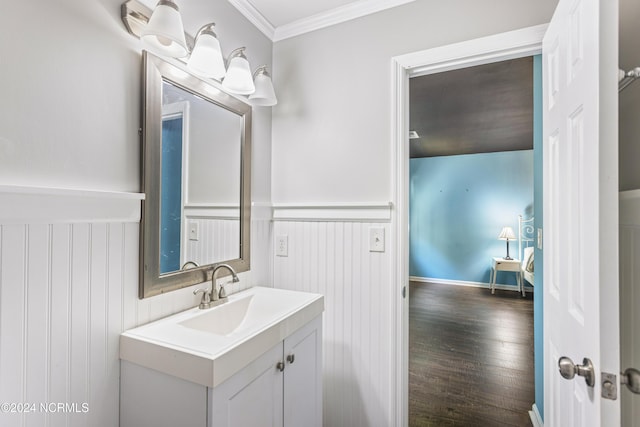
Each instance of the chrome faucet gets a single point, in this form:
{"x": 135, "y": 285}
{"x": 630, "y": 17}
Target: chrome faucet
{"x": 221, "y": 295}
{"x": 189, "y": 264}
{"x": 214, "y": 296}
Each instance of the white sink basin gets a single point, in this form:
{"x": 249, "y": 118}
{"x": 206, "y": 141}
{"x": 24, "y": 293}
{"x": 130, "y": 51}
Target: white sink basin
{"x": 208, "y": 346}
{"x": 223, "y": 319}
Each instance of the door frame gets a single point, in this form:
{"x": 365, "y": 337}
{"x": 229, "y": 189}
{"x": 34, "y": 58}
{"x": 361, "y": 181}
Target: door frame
{"x": 485, "y": 50}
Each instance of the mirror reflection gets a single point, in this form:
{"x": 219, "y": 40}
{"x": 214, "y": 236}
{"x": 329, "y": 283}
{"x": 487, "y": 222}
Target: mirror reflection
{"x": 200, "y": 181}
{"x": 196, "y": 179}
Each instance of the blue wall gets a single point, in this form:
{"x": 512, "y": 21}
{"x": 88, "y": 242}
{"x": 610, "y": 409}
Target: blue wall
{"x": 538, "y": 267}
{"x": 171, "y": 197}
{"x": 458, "y": 206}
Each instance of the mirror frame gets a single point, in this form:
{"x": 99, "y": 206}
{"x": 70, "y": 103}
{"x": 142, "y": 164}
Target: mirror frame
{"x": 155, "y": 71}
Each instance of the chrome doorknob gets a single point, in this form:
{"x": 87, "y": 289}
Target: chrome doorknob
{"x": 631, "y": 378}
{"x": 568, "y": 370}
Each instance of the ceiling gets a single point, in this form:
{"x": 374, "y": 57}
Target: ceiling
{"x": 480, "y": 109}
{"x": 282, "y": 19}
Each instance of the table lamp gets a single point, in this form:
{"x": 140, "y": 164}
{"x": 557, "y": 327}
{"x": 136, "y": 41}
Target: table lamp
{"x": 507, "y": 234}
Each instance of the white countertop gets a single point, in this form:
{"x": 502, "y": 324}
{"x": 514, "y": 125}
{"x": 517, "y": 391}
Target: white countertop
{"x": 193, "y": 354}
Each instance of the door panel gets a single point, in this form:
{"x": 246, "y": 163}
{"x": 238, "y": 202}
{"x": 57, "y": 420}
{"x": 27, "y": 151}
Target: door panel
{"x": 578, "y": 182}
{"x": 251, "y": 397}
{"x": 303, "y": 376}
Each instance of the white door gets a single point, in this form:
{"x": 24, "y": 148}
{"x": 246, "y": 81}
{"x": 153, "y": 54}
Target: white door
{"x": 580, "y": 209}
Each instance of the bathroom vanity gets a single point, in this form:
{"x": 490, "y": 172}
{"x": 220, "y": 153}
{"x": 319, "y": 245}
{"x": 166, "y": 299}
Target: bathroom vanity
{"x": 253, "y": 361}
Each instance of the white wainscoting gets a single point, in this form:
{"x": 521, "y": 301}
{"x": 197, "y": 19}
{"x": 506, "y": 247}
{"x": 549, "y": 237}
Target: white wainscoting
{"x": 332, "y": 257}
{"x": 68, "y": 288}
{"x": 219, "y": 239}
{"x": 629, "y": 298}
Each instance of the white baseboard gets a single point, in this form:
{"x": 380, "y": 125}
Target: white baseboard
{"x": 536, "y": 419}
{"x": 467, "y": 283}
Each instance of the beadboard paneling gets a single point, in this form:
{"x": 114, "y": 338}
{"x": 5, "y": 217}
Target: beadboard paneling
{"x": 67, "y": 291}
{"x": 333, "y": 258}
{"x": 224, "y": 245}
{"x": 61, "y": 301}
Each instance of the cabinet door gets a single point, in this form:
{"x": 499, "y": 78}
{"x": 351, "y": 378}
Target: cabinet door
{"x": 251, "y": 397}
{"x": 303, "y": 376}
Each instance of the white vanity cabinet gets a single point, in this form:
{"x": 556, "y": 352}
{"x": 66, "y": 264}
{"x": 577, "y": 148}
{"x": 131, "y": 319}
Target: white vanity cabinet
{"x": 281, "y": 388}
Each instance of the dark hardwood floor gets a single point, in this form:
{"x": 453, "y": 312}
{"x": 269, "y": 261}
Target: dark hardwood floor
{"x": 470, "y": 356}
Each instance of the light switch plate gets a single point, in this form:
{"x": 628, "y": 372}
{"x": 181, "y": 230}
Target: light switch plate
{"x": 539, "y": 242}
{"x": 376, "y": 239}
{"x": 282, "y": 245}
{"x": 193, "y": 231}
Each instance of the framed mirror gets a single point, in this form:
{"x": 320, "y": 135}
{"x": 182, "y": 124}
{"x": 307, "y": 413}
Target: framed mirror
{"x": 196, "y": 179}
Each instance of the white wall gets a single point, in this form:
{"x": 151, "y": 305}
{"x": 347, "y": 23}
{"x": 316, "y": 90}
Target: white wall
{"x": 331, "y": 148}
{"x": 629, "y": 110}
{"x": 214, "y": 157}
{"x": 71, "y": 100}
{"x": 70, "y": 84}
{"x": 332, "y": 125}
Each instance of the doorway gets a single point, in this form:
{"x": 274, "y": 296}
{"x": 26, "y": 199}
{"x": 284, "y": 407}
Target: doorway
{"x": 515, "y": 44}
{"x": 471, "y": 174}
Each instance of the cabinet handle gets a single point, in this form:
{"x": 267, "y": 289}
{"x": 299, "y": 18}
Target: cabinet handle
{"x": 280, "y": 366}
{"x": 291, "y": 358}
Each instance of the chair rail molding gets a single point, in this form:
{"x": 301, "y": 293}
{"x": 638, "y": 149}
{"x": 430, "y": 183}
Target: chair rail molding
{"x": 43, "y": 205}
{"x": 355, "y": 211}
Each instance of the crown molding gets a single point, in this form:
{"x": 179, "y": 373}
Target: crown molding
{"x": 331, "y": 17}
{"x": 255, "y": 17}
{"x": 335, "y": 16}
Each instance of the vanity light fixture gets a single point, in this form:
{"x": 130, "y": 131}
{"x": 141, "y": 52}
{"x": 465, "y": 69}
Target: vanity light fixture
{"x": 238, "y": 79}
{"x": 206, "y": 57}
{"x": 164, "y": 33}
{"x": 265, "y": 95}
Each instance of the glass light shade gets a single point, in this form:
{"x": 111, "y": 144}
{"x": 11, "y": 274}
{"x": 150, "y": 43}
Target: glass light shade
{"x": 507, "y": 234}
{"x": 238, "y": 79}
{"x": 206, "y": 57}
{"x": 265, "y": 95}
{"x": 164, "y": 33}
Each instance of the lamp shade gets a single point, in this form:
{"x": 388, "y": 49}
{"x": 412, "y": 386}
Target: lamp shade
{"x": 507, "y": 234}
{"x": 238, "y": 79}
{"x": 164, "y": 33}
{"x": 264, "y": 95}
{"x": 206, "y": 57}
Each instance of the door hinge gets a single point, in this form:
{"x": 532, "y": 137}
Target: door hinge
{"x": 609, "y": 386}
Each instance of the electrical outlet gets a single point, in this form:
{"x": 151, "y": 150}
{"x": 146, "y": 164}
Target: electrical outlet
{"x": 376, "y": 239}
{"x": 193, "y": 231}
{"x": 282, "y": 245}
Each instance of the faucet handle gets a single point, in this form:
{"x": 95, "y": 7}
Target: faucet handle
{"x": 205, "y": 302}
{"x": 223, "y": 293}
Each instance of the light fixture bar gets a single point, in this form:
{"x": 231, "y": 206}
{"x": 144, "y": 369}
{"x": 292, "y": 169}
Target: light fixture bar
{"x": 135, "y": 16}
